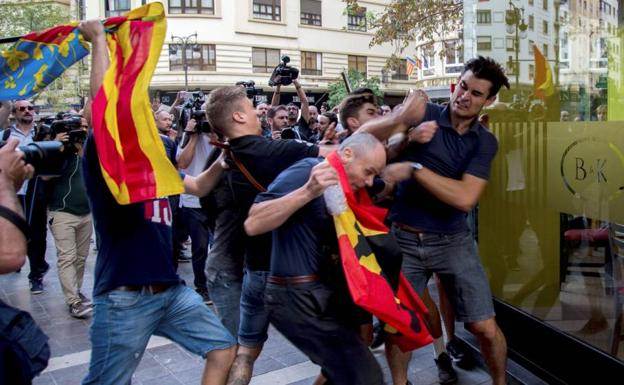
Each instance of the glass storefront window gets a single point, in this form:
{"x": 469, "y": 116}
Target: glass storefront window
{"x": 547, "y": 220}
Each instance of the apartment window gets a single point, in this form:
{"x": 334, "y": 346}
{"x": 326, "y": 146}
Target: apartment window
{"x": 511, "y": 44}
{"x": 358, "y": 63}
{"x": 357, "y": 19}
{"x": 545, "y": 27}
{"x": 201, "y": 57}
{"x": 531, "y": 22}
{"x": 204, "y": 7}
{"x": 484, "y": 17}
{"x": 401, "y": 71}
{"x": 454, "y": 57}
{"x": 311, "y": 63}
{"x": 428, "y": 60}
{"x": 267, "y": 10}
{"x": 545, "y": 5}
{"x": 264, "y": 59}
{"x": 484, "y": 43}
{"x": 545, "y": 50}
{"x": 531, "y": 44}
{"x": 311, "y": 12}
{"x": 116, "y": 7}
{"x": 564, "y": 52}
{"x": 531, "y": 71}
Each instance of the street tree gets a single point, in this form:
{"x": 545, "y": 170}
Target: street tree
{"x": 338, "y": 90}
{"x": 403, "y": 22}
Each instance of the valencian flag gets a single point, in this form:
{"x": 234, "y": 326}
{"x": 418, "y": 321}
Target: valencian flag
{"x": 38, "y": 58}
{"x": 410, "y": 64}
{"x": 371, "y": 260}
{"x": 132, "y": 157}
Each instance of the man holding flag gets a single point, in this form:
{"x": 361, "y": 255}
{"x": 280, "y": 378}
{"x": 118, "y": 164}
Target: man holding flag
{"x": 137, "y": 293}
{"x": 304, "y": 303}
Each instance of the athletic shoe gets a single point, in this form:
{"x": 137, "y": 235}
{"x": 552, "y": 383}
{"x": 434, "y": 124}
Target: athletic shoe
{"x": 459, "y": 355}
{"x": 446, "y": 373}
{"x": 80, "y": 310}
{"x": 85, "y": 301}
{"x": 36, "y": 286}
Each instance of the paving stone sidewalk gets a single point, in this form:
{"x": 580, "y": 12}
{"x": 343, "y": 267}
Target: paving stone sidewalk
{"x": 164, "y": 362}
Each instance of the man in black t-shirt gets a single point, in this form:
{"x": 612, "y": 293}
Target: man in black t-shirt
{"x": 303, "y": 305}
{"x": 232, "y": 115}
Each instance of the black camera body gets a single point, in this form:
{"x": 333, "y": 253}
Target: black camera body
{"x": 283, "y": 74}
{"x": 202, "y": 124}
{"x": 72, "y": 125}
{"x": 193, "y": 110}
{"x": 250, "y": 88}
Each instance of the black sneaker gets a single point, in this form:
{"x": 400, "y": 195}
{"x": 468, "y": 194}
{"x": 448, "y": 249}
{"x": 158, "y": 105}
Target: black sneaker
{"x": 85, "y": 301}
{"x": 205, "y": 296}
{"x": 379, "y": 335}
{"x": 36, "y": 286}
{"x": 461, "y": 358}
{"x": 446, "y": 373}
{"x": 80, "y": 310}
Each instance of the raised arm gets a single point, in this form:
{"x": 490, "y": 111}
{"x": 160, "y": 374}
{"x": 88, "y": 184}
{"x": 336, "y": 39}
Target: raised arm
{"x": 305, "y": 105}
{"x": 275, "y": 100}
{"x": 93, "y": 31}
{"x": 269, "y": 215}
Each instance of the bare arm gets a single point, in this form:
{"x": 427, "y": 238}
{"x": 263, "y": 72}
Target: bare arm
{"x": 188, "y": 152}
{"x": 269, "y": 215}
{"x": 412, "y": 112}
{"x": 93, "y": 31}
{"x": 13, "y": 171}
{"x": 275, "y": 100}
{"x": 305, "y": 105}
{"x": 202, "y": 184}
{"x": 462, "y": 194}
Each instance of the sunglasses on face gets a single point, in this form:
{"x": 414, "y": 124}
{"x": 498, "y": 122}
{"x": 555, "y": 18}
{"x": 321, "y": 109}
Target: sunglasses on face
{"x": 24, "y": 108}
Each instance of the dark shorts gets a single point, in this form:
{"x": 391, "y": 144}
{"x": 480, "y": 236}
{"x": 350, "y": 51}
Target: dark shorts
{"x": 306, "y": 315}
{"x": 454, "y": 258}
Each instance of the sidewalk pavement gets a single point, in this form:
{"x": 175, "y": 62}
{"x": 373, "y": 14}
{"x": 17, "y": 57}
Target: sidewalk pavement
{"x": 164, "y": 362}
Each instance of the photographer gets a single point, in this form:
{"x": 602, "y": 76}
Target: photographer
{"x": 24, "y": 350}
{"x": 277, "y": 117}
{"x": 32, "y": 197}
{"x": 69, "y": 216}
{"x": 192, "y": 158}
{"x": 301, "y": 127}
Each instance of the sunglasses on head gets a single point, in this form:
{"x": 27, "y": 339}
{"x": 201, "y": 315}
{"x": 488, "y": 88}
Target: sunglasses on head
{"x": 24, "y": 108}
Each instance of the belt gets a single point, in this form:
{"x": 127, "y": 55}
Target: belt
{"x": 152, "y": 289}
{"x": 293, "y": 280}
{"x": 409, "y": 229}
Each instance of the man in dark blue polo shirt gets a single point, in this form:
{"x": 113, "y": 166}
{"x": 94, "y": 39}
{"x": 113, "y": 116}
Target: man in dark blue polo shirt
{"x": 442, "y": 172}
{"x": 304, "y": 303}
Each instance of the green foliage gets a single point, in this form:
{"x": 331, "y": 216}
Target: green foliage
{"x": 403, "y": 22}
{"x": 338, "y": 91}
{"x": 18, "y": 18}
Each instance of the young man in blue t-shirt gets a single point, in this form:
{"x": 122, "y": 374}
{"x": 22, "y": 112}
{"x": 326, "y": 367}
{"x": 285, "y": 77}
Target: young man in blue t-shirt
{"x": 137, "y": 292}
{"x": 304, "y": 305}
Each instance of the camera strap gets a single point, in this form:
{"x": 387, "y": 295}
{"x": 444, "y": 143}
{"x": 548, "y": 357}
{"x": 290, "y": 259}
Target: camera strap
{"x": 18, "y": 221}
{"x": 247, "y": 174}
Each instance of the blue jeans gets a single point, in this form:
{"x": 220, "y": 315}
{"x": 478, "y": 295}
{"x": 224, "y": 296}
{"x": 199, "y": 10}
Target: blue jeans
{"x": 454, "y": 258}
{"x": 123, "y": 322}
{"x": 254, "y": 316}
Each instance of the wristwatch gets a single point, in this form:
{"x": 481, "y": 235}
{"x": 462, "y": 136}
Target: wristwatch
{"x": 416, "y": 166}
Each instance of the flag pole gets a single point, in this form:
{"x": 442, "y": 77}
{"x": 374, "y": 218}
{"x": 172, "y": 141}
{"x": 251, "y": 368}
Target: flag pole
{"x": 13, "y": 39}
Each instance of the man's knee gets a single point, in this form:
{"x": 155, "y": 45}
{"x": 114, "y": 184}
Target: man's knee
{"x": 485, "y": 329}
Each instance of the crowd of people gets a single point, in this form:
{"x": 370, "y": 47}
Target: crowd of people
{"x": 264, "y": 248}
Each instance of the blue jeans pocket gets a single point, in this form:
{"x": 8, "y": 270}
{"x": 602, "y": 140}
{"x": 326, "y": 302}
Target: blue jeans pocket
{"x": 119, "y": 299}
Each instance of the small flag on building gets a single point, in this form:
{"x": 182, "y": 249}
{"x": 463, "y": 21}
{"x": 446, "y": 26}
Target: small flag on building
{"x": 410, "y": 64}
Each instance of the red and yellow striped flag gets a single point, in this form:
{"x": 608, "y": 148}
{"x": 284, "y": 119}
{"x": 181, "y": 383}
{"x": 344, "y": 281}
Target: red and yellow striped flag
{"x": 132, "y": 156}
{"x": 371, "y": 261}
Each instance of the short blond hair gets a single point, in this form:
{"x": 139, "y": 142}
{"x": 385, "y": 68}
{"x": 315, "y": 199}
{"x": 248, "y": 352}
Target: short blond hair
{"x": 221, "y": 104}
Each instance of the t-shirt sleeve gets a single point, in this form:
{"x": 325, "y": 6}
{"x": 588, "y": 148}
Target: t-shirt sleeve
{"x": 481, "y": 163}
{"x": 289, "y": 180}
{"x": 304, "y": 129}
{"x": 291, "y": 151}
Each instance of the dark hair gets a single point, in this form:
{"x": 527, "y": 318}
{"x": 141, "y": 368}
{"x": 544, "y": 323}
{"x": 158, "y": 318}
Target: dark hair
{"x": 488, "y": 69}
{"x": 361, "y": 91}
{"x": 350, "y": 106}
{"x": 333, "y": 118}
{"x": 273, "y": 110}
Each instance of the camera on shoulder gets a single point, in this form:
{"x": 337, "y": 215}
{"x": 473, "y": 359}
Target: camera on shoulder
{"x": 283, "y": 74}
